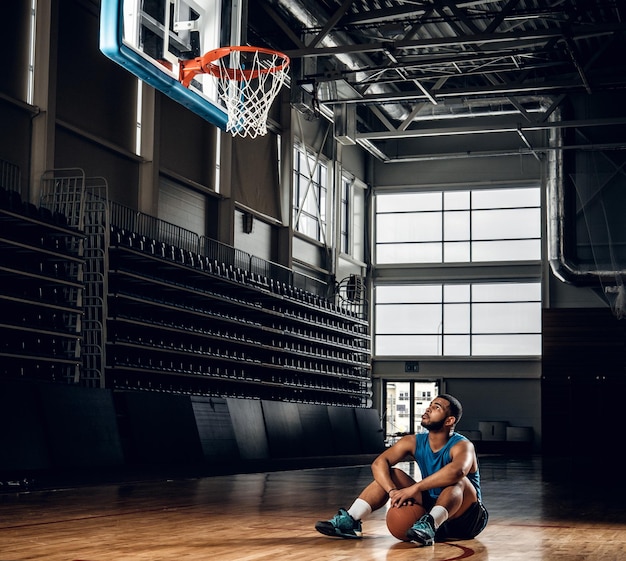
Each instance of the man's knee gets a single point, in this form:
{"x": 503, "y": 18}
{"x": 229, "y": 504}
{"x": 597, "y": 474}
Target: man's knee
{"x": 467, "y": 494}
{"x": 401, "y": 478}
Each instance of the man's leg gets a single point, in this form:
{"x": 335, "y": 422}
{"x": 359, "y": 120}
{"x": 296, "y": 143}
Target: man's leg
{"x": 377, "y": 497}
{"x": 451, "y": 503}
{"x": 347, "y": 523}
{"x": 466, "y": 526}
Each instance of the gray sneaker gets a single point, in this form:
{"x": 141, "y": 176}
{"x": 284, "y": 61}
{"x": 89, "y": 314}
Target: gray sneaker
{"x": 423, "y": 531}
{"x": 342, "y": 525}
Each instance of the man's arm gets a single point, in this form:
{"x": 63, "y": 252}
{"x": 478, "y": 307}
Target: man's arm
{"x": 463, "y": 459}
{"x": 381, "y": 466}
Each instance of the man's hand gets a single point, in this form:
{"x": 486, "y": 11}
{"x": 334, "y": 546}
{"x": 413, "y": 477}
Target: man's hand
{"x": 408, "y": 495}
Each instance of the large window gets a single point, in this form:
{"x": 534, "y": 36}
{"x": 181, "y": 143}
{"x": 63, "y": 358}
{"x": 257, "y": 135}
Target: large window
{"x": 345, "y": 222}
{"x": 352, "y": 216}
{"x": 310, "y": 188}
{"x": 458, "y": 319}
{"x": 463, "y": 309}
{"x": 468, "y": 226}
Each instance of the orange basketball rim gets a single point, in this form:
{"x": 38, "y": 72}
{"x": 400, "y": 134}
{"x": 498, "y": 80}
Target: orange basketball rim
{"x": 247, "y": 80}
{"x": 209, "y": 64}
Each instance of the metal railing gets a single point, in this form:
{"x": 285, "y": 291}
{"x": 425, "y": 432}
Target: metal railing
{"x": 133, "y": 224}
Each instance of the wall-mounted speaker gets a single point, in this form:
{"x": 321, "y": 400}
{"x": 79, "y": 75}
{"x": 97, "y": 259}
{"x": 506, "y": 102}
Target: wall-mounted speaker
{"x": 248, "y": 222}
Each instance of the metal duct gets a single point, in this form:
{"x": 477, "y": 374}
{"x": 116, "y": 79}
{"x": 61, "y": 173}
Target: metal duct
{"x": 562, "y": 267}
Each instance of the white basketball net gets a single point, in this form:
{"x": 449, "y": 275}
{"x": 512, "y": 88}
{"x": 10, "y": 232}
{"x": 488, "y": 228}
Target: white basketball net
{"x": 248, "y": 87}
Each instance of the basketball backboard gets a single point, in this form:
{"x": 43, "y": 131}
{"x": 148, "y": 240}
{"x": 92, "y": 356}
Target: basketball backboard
{"x": 150, "y": 37}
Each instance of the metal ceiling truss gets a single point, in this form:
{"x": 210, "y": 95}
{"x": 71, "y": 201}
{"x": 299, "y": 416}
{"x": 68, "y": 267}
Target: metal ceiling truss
{"x": 410, "y": 66}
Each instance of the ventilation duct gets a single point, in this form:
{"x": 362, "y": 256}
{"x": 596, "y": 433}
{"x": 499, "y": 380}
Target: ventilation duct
{"x": 562, "y": 225}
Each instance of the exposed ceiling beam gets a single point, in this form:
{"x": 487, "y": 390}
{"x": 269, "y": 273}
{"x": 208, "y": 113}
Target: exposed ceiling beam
{"x": 280, "y": 22}
{"x": 571, "y": 49}
{"x": 434, "y": 67}
{"x": 511, "y": 88}
{"x": 535, "y": 152}
{"x": 509, "y": 37}
{"x": 332, "y": 21}
{"x": 484, "y": 129}
{"x": 382, "y": 15}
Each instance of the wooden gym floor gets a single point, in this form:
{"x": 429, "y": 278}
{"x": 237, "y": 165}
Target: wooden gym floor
{"x": 535, "y": 514}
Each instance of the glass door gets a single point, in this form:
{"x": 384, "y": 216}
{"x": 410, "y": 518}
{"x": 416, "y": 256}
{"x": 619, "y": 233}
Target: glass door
{"x": 405, "y": 402}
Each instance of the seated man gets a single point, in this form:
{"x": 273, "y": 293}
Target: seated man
{"x": 449, "y": 489}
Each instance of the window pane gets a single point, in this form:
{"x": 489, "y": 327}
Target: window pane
{"x": 456, "y": 293}
{"x": 411, "y": 293}
{"x": 456, "y": 200}
{"x": 344, "y": 223}
{"x": 514, "y": 317}
{"x": 323, "y": 174}
{"x": 408, "y": 253}
{"x": 310, "y": 204}
{"x": 407, "y": 202}
{"x": 508, "y": 250}
{"x": 456, "y": 252}
{"x": 408, "y": 227}
{"x": 307, "y": 226}
{"x": 456, "y": 345}
{"x": 298, "y": 192}
{"x": 408, "y": 318}
{"x": 506, "y": 224}
{"x": 457, "y": 226}
{"x": 502, "y": 345}
{"x": 410, "y": 345}
{"x": 506, "y": 198}
{"x": 456, "y": 318}
{"x": 358, "y": 225}
{"x": 506, "y": 292}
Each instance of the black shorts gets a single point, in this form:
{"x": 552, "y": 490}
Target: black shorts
{"x": 467, "y": 526}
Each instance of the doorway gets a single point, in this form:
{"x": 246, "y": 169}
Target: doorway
{"x": 405, "y": 402}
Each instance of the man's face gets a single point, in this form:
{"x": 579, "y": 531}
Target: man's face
{"x": 436, "y": 414}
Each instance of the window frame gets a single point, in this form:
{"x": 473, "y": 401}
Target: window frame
{"x": 315, "y": 180}
{"x": 436, "y": 240}
{"x": 351, "y": 217}
{"x": 455, "y": 273}
{"x": 441, "y": 335}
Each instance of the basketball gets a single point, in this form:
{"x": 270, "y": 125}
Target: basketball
{"x": 400, "y": 519}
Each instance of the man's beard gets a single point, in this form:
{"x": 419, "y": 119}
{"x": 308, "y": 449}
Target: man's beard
{"x": 435, "y": 425}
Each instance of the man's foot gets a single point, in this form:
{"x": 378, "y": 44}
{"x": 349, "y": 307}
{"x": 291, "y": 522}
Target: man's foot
{"x": 423, "y": 531}
{"x": 342, "y": 525}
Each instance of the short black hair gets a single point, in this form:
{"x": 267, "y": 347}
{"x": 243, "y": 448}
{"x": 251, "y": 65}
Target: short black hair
{"x": 456, "y": 409}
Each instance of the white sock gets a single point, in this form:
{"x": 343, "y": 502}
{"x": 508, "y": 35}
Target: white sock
{"x": 360, "y": 509}
{"x": 439, "y": 514}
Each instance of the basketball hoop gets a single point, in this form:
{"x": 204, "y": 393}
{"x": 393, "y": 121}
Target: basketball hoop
{"x": 248, "y": 79}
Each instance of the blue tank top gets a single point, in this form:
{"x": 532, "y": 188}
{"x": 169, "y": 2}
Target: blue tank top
{"x": 429, "y": 462}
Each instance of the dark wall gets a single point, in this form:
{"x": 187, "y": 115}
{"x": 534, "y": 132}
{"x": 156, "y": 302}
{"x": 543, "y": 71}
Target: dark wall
{"x": 13, "y": 43}
{"x": 583, "y": 383}
{"x": 52, "y": 426}
{"x": 92, "y": 92}
{"x": 61, "y": 428}
{"x": 15, "y": 136}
